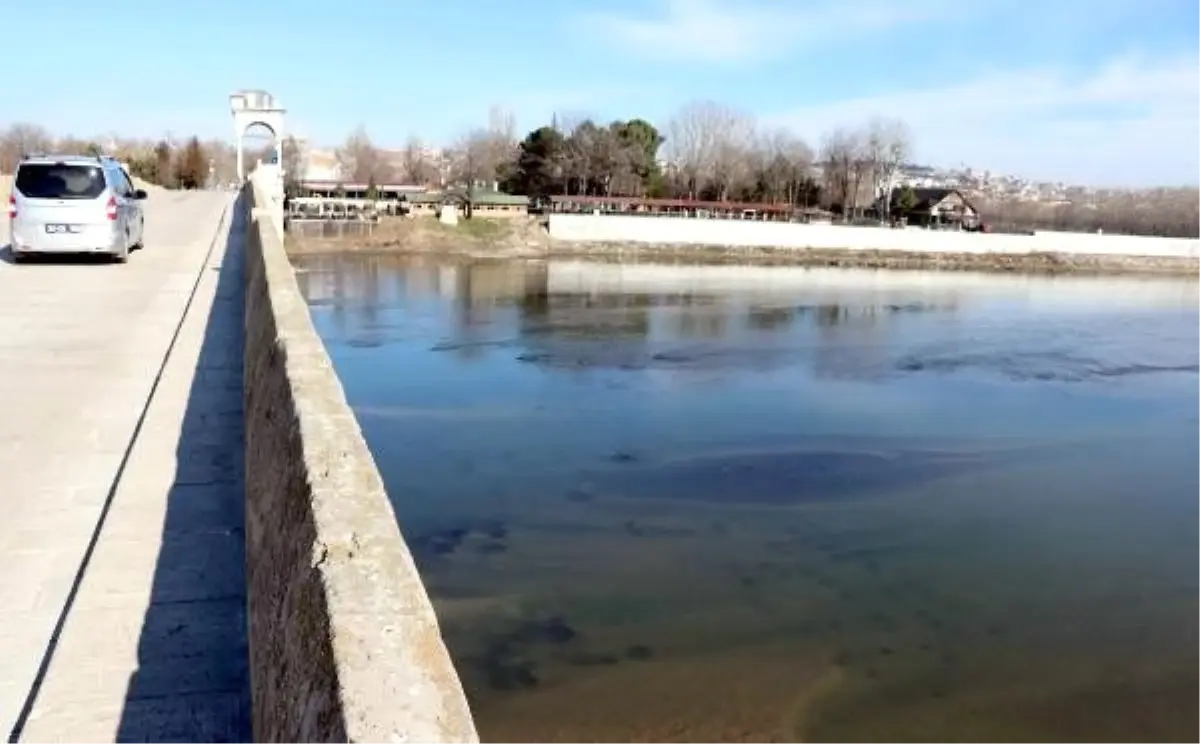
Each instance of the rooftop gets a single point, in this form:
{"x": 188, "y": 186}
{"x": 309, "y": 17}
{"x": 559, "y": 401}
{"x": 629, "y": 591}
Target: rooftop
{"x": 332, "y": 186}
{"x": 486, "y": 197}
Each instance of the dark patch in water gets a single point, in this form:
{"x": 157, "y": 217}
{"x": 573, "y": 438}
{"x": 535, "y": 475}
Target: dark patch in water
{"x": 511, "y": 676}
{"x": 449, "y": 541}
{"x": 638, "y": 652}
{"x": 789, "y": 477}
{"x": 610, "y": 354}
{"x": 592, "y": 658}
{"x": 505, "y": 665}
{"x": 466, "y": 345}
{"x": 914, "y": 307}
{"x": 672, "y": 356}
{"x": 638, "y": 529}
{"x": 1049, "y": 366}
{"x": 553, "y": 630}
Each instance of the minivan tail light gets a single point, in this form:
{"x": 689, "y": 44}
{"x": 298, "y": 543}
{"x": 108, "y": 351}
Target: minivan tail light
{"x": 12, "y": 207}
{"x": 111, "y": 208}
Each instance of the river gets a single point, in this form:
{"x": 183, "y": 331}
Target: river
{"x": 669, "y": 502}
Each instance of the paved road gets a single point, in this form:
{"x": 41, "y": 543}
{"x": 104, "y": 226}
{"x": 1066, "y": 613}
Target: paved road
{"x": 121, "y": 554}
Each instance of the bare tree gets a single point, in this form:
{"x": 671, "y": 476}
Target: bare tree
{"x": 799, "y": 159}
{"x": 690, "y": 145}
{"x": 707, "y": 144}
{"x": 732, "y": 136}
{"x": 20, "y": 139}
{"x": 415, "y": 162}
{"x": 480, "y": 156}
{"x": 838, "y": 154}
{"x": 291, "y": 156}
{"x": 850, "y": 166}
{"x": 71, "y": 145}
{"x": 472, "y": 163}
{"x": 502, "y": 134}
{"x": 862, "y": 171}
{"x": 887, "y": 145}
{"x": 769, "y": 167}
{"x": 780, "y": 168}
{"x": 764, "y": 157}
{"x": 592, "y": 157}
{"x": 573, "y": 162}
{"x": 360, "y": 161}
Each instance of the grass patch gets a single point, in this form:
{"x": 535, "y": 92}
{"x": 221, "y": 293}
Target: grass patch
{"x": 480, "y": 228}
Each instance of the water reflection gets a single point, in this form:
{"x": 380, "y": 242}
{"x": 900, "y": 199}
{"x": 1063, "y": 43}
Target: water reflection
{"x": 728, "y": 503}
{"x": 559, "y": 324}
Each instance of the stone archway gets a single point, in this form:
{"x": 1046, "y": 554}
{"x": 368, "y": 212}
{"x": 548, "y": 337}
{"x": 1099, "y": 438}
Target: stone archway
{"x": 257, "y": 142}
{"x": 252, "y": 108}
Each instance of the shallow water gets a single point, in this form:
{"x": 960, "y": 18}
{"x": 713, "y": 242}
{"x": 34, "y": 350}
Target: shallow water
{"x": 733, "y": 503}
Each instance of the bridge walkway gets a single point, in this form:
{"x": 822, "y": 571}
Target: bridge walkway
{"x": 122, "y": 585}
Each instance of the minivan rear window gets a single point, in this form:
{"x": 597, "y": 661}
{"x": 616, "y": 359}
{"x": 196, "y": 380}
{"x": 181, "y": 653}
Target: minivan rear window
{"x": 60, "y": 181}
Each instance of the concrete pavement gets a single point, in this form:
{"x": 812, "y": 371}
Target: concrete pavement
{"x": 122, "y": 585}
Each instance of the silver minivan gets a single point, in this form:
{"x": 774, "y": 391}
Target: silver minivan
{"x": 74, "y": 204}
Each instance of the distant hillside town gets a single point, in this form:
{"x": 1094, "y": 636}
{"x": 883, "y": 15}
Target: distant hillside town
{"x": 993, "y": 185}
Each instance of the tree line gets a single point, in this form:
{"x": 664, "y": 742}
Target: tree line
{"x": 714, "y": 152}
{"x": 706, "y": 151}
{"x": 191, "y": 164}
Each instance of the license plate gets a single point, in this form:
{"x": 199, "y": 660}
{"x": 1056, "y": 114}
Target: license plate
{"x": 59, "y": 229}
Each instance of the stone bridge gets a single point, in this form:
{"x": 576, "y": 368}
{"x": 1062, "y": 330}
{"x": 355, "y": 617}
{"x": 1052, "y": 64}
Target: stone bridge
{"x": 196, "y": 544}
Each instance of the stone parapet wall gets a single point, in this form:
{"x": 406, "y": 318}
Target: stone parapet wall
{"x": 344, "y": 643}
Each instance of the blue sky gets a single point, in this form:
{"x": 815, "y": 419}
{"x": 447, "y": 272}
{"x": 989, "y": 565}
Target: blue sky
{"x": 1101, "y": 92}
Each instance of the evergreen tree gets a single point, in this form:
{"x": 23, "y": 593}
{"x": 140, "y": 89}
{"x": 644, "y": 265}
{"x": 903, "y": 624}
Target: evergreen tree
{"x": 191, "y": 168}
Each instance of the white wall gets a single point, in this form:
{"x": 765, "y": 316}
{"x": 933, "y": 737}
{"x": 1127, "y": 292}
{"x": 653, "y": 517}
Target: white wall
{"x": 748, "y": 234}
{"x": 267, "y": 180}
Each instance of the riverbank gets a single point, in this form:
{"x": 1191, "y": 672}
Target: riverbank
{"x": 478, "y": 238}
{"x": 484, "y": 239}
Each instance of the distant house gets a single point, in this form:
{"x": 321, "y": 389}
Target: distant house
{"x": 424, "y": 204}
{"x": 492, "y": 203}
{"x": 935, "y": 207}
{"x": 484, "y": 203}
